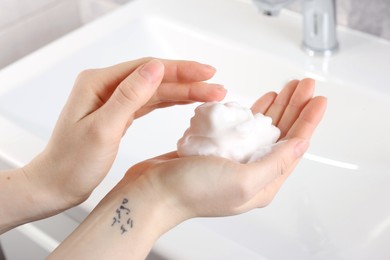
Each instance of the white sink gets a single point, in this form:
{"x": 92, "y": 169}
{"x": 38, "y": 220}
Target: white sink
{"x": 335, "y": 206}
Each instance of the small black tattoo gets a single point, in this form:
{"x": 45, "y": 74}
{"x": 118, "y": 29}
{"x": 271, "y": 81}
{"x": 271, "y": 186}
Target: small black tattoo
{"x": 123, "y": 229}
{"x": 130, "y": 222}
{"x": 122, "y": 213}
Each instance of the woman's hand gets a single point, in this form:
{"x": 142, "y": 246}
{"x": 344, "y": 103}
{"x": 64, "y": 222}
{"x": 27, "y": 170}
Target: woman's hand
{"x": 213, "y": 186}
{"x": 102, "y": 105}
{"x": 158, "y": 194}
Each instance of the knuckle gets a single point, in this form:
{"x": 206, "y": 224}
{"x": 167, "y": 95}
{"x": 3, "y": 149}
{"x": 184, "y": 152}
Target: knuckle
{"x": 96, "y": 133}
{"x": 84, "y": 78}
{"x": 99, "y": 134}
{"x": 126, "y": 93}
{"x": 86, "y": 74}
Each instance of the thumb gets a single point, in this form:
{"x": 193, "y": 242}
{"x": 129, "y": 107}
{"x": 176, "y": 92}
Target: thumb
{"x": 279, "y": 162}
{"x": 132, "y": 93}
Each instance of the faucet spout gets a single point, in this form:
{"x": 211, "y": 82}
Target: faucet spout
{"x": 319, "y": 23}
{"x": 319, "y": 27}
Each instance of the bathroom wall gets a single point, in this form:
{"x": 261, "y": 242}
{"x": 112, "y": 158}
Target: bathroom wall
{"x": 27, "y": 25}
{"x": 370, "y": 16}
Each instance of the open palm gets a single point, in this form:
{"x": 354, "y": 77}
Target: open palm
{"x": 214, "y": 186}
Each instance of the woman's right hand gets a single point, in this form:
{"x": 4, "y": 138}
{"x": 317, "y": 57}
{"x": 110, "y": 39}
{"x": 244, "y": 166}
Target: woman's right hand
{"x": 102, "y": 105}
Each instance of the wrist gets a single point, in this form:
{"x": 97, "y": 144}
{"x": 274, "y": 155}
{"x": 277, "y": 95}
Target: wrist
{"x": 47, "y": 193}
{"x": 24, "y": 199}
{"x": 155, "y": 207}
{"x": 125, "y": 224}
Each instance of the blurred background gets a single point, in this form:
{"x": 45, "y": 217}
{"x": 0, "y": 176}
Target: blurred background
{"x": 27, "y": 25}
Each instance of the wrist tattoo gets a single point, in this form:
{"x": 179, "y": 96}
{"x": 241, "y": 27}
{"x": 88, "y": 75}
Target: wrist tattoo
{"x": 122, "y": 217}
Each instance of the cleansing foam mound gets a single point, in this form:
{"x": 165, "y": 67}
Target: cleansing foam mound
{"x": 228, "y": 130}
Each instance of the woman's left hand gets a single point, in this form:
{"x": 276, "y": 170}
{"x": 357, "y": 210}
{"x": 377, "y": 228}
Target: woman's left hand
{"x": 213, "y": 186}
{"x": 158, "y": 194}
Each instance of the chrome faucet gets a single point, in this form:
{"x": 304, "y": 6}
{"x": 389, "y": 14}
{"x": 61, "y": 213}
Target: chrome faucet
{"x": 319, "y": 23}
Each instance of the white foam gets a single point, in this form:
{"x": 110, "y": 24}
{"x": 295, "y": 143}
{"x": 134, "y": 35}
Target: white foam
{"x": 228, "y": 130}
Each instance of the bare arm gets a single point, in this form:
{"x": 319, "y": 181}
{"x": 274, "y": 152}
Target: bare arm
{"x": 22, "y": 201}
{"x": 158, "y": 194}
{"x": 102, "y": 105}
{"x": 124, "y": 225}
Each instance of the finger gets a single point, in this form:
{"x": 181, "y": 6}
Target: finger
{"x": 175, "y": 71}
{"x": 308, "y": 120}
{"x": 196, "y": 91}
{"x": 312, "y": 113}
{"x": 276, "y": 110}
{"x": 187, "y": 71}
{"x": 132, "y": 93}
{"x": 277, "y": 163}
{"x": 147, "y": 109}
{"x": 301, "y": 96}
{"x": 264, "y": 103}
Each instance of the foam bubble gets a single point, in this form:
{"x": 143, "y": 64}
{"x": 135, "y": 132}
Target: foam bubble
{"x": 228, "y": 130}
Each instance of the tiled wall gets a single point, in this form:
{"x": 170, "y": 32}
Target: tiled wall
{"x": 370, "y": 16}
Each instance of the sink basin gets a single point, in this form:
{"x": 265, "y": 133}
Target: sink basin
{"x": 335, "y": 206}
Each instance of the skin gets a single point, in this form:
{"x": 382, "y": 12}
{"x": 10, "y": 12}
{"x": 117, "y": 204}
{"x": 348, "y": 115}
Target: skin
{"x": 167, "y": 190}
{"x": 161, "y": 192}
{"x": 102, "y": 105}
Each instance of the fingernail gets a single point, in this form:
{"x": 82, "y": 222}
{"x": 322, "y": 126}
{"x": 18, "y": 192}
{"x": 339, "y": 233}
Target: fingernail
{"x": 301, "y": 148}
{"x": 152, "y": 70}
{"x": 209, "y": 67}
{"x": 219, "y": 86}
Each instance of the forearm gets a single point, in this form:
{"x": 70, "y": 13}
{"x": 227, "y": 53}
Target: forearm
{"x": 26, "y": 196}
{"x": 13, "y": 199}
{"x": 124, "y": 225}
{"x": 18, "y": 200}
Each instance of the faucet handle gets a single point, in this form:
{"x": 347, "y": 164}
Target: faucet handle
{"x": 271, "y": 7}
